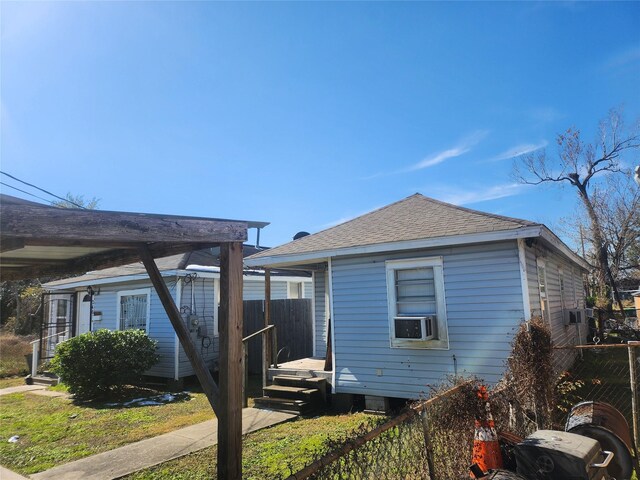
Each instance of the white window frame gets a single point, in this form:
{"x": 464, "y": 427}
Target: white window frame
{"x": 125, "y": 293}
{"x": 544, "y": 298}
{"x": 442, "y": 340}
{"x": 562, "y": 286}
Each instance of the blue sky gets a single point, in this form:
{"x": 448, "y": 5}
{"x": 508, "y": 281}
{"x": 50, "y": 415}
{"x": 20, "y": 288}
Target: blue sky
{"x": 305, "y": 114}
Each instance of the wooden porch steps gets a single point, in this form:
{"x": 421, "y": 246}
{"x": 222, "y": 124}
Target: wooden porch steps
{"x": 301, "y": 395}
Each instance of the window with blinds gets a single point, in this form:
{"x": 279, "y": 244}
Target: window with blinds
{"x": 416, "y": 303}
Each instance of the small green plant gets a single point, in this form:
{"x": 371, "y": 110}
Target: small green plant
{"x": 96, "y": 364}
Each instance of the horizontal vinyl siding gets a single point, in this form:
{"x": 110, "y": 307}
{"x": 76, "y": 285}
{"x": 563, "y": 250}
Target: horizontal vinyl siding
{"x": 320, "y": 313}
{"x": 484, "y": 308}
{"x": 160, "y": 328}
{"x": 201, "y": 301}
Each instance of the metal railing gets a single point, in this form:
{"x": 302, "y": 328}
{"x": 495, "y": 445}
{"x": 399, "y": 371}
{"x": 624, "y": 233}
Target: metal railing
{"x": 266, "y": 358}
{"x": 35, "y": 348}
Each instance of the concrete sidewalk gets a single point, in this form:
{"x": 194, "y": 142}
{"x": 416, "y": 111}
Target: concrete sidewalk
{"x": 6, "y": 474}
{"x": 153, "y": 451}
{"x": 22, "y": 388}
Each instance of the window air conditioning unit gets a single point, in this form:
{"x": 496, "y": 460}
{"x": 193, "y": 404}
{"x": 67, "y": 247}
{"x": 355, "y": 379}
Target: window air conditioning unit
{"x": 415, "y": 328}
{"x": 588, "y": 312}
{"x": 573, "y": 316}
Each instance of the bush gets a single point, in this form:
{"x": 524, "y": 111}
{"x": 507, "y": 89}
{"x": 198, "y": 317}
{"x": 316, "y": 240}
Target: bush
{"x": 95, "y": 364}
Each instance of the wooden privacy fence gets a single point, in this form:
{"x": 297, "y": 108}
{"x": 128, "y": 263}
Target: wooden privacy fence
{"x": 293, "y": 321}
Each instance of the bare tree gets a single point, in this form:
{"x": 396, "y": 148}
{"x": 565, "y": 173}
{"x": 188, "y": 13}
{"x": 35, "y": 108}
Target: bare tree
{"x": 584, "y": 166}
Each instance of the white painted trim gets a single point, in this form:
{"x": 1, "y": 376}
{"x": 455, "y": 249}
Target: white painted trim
{"x": 437, "y": 264}
{"x": 138, "y": 291}
{"x": 322, "y": 256}
{"x": 550, "y": 237}
{"x": 216, "y": 302}
{"x": 333, "y": 329}
{"x": 544, "y": 308}
{"x": 176, "y": 342}
{"x": 168, "y": 273}
{"x": 522, "y": 258}
{"x": 107, "y": 280}
{"x": 313, "y": 312}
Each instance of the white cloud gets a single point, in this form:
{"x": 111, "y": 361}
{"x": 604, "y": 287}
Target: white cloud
{"x": 623, "y": 58}
{"x": 518, "y": 150}
{"x": 465, "y": 197}
{"x": 461, "y": 148}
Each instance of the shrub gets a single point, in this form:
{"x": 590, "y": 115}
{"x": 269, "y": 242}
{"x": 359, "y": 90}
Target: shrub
{"x": 96, "y": 363}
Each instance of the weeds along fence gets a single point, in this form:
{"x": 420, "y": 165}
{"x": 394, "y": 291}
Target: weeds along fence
{"x": 433, "y": 439}
{"x": 404, "y": 447}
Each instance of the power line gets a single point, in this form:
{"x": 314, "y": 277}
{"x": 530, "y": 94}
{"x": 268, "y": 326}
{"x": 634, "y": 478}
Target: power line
{"x": 23, "y": 191}
{"x": 43, "y": 190}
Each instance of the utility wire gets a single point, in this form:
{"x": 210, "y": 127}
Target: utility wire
{"x": 43, "y": 190}
{"x": 23, "y": 191}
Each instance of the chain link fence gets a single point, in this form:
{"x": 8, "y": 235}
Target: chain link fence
{"x": 433, "y": 439}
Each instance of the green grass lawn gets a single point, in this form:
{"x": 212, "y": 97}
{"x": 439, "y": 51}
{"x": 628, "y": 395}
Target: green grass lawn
{"x": 11, "y": 382}
{"x": 54, "y": 431}
{"x": 270, "y": 453}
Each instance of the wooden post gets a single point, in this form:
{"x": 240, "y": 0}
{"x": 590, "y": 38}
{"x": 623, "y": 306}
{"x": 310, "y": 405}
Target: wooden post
{"x": 427, "y": 444}
{"x": 245, "y": 369}
{"x": 266, "y": 345}
{"x": 633, "y": 377}
{"x": 230, "y": 417}
{"x": 202, "y": 372}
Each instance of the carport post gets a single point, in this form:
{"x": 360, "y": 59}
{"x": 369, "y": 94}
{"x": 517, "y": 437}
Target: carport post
{"x": 231, "y": 358}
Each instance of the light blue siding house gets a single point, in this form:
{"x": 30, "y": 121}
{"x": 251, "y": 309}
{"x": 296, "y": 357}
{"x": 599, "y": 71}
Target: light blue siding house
{"x": 421, "y": 289}
{"x": 123, "y": 297}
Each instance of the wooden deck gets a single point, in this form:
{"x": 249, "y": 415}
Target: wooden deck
{"x": 304, "y": 367}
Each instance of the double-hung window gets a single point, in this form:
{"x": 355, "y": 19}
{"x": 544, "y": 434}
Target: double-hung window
{"x": 417, "y": 313}
{"x": 133, "y": 309}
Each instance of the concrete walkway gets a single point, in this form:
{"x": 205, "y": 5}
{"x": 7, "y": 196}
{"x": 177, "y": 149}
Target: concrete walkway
{"x": 22, "y": 388}
{"x": 153, "y": 451}
{"x": 6, "y": 474}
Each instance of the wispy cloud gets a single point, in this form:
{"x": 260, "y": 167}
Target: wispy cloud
{"x": 518, "y": 150}
{"x": 623, "y": 58}
{"x": 544, "y": 115}
{"x": 466, "y": 197}
{"x": 463, "y": 146}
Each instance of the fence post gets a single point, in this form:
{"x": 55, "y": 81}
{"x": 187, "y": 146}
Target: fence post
{"x": 427, "y": 444}
{"x": 633, "y": 377}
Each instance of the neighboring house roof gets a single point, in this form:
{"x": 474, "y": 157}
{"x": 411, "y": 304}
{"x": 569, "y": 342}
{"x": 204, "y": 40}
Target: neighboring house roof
{"x": 414, "y": 222}
{"x": 195, "y": 260}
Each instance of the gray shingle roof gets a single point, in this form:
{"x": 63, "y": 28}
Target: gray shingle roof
{"x": 207, "y": 257}
{"x": 414, "y": 218}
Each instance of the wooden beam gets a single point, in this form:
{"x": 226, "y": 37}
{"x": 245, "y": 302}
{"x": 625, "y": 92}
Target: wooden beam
{"x": 50, "y": 223}
{"x": 230, "y": 329}
{"x": 266, "y": 345}
{"x": 97, "y": 261}
{"x": 202, "y": 372}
